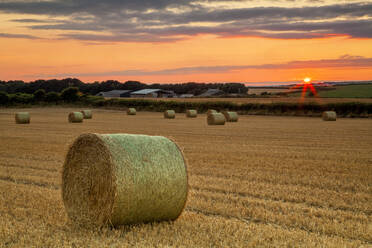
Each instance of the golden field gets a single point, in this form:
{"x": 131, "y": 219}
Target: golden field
{"x": 261, "y": 182}
{"x": 265, "y": 100}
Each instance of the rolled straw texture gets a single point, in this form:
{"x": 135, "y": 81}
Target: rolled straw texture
{"x": 22, "y": 118}
{"x": 169, "y": 114}
{"x": 231, "y": 116}
{"x": 211, "y": 111}
{"x": 117, "y": 179}
{"x": 75, "y": 117}
{"x": 87, "y": 114}
{"x": 329, "y": 116}
{"x": 131, "y": 111}
{"x": 216, "y": 119}
{"x": 191, "y": 113}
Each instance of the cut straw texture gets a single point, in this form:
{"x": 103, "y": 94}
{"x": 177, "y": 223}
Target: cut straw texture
{"x": 191, "y": 113}
{"x": 216, "y": 119}
{"x": 75, "y": 117}
{"x": 329, "y": 116}
{"x": 87, "y": 114}
{"x": 231, "y": 116}
{"x": 131, "y": 111}
{"x": 22, "y": 118}
{"x": 118, "y": 179}
{"x": 211, "y": 111}
{"x": 169, "y": 114}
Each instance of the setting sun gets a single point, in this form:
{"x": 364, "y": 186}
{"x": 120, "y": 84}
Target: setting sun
{"x": 307, "y": 80}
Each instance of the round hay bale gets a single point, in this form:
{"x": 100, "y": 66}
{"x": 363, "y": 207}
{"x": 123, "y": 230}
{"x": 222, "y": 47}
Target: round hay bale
{"x": 329, "y": 116}
{"x": 87, "y": 114}
{"x": 231, "y": 116}
{"x": 75, "y": 117}
{"x": 216, "y": 119}
{"x": 131, "y": 111}
{"x": 211, "y": 111}
{"x": 22, "y": 118}
{"x": 120, "y": 179}
{"x": 169, "y": 114}
{"x": 191, "y": 113}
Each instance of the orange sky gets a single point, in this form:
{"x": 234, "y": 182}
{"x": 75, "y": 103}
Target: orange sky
{"x": 202, "y": 57}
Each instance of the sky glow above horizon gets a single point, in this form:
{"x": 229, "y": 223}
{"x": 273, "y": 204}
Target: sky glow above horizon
{"x": 180, "y": 41}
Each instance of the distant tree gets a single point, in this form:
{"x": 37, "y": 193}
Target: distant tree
{"x": 4, "y": 98}
{"x": 133, "y": 85}
{"x": 23, "y": 98}
{"x": 52, "y": 97}
{"x": 39, "y": 95}
{"x": 70, "y": 94}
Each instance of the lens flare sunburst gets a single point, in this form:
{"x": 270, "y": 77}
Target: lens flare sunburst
{"x": 305, "y": 85}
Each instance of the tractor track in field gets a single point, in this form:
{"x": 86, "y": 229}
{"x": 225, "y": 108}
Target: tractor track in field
{"x": 29, "y": 182}
{"x": 260, "y": 197}
{"x": 258, "y": 221}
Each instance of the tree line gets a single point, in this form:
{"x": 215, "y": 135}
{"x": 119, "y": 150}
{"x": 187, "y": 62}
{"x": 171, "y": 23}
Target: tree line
{"x": 57, "y": 86}
{"x": 68, "y": 95}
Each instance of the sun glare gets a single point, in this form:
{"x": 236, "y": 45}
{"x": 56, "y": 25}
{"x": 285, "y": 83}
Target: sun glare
{"x": 307, "y": 80}
{"x": 303, "y": 87}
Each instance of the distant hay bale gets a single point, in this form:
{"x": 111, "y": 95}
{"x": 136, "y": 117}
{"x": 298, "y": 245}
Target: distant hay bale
{"x": 329, "y": 116}
{"x": 87, "y": 114}
{"x": 216, "y": 119}
{"x": 211, "y": 111}
{"x": 22, "y": 118}
{"x": 118, "y": 179}
{"x": 230, "y": 116}
{"x": 191, "y": 113}
{"x": 169, "y": 114}
{"x": 131, "y": 111}
{"x": 75, "y": 117}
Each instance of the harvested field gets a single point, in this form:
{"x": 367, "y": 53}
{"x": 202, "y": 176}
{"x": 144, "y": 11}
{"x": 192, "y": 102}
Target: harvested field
{"x": 263, "y": 181}
{"x": 267, "y": 100}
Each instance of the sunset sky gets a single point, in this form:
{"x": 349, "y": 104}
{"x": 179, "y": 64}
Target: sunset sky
{"x": 186, "y": 40}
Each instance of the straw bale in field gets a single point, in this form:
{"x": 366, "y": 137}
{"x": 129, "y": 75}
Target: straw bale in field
{"x": 131, "y": 111}
{"x": 22, "y": 118}
{"x": 329, "y": 116}
{"x": 169, "y": 114}
{"x": 87, "y": 114}
{"x": 231, "y": 116}
{"x": 211, "y": 111}
{"x": 75, "y": 117}
{"x": 191, "y": 113}
{"x": 216, "y": 119}
{"x": 117, "y": 179}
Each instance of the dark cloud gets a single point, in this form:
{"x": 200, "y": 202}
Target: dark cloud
{"x": 153, "y": 21}
{"x": 345, "y": 61}
{"x": 22, "y": 36}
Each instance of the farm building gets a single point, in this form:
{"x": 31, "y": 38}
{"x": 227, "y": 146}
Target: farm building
{"x": 186, "y": 96}
{"x": 115, "y": 93}
{"x": 211, "y": 92}
{"x": 152, "y": 93}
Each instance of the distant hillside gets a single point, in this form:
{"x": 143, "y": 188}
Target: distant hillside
{"x": 349, "y": 91}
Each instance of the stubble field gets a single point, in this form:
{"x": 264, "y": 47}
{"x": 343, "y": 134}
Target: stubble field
{"x": 264, "y": 181}
{"x": 266, "y": 100}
